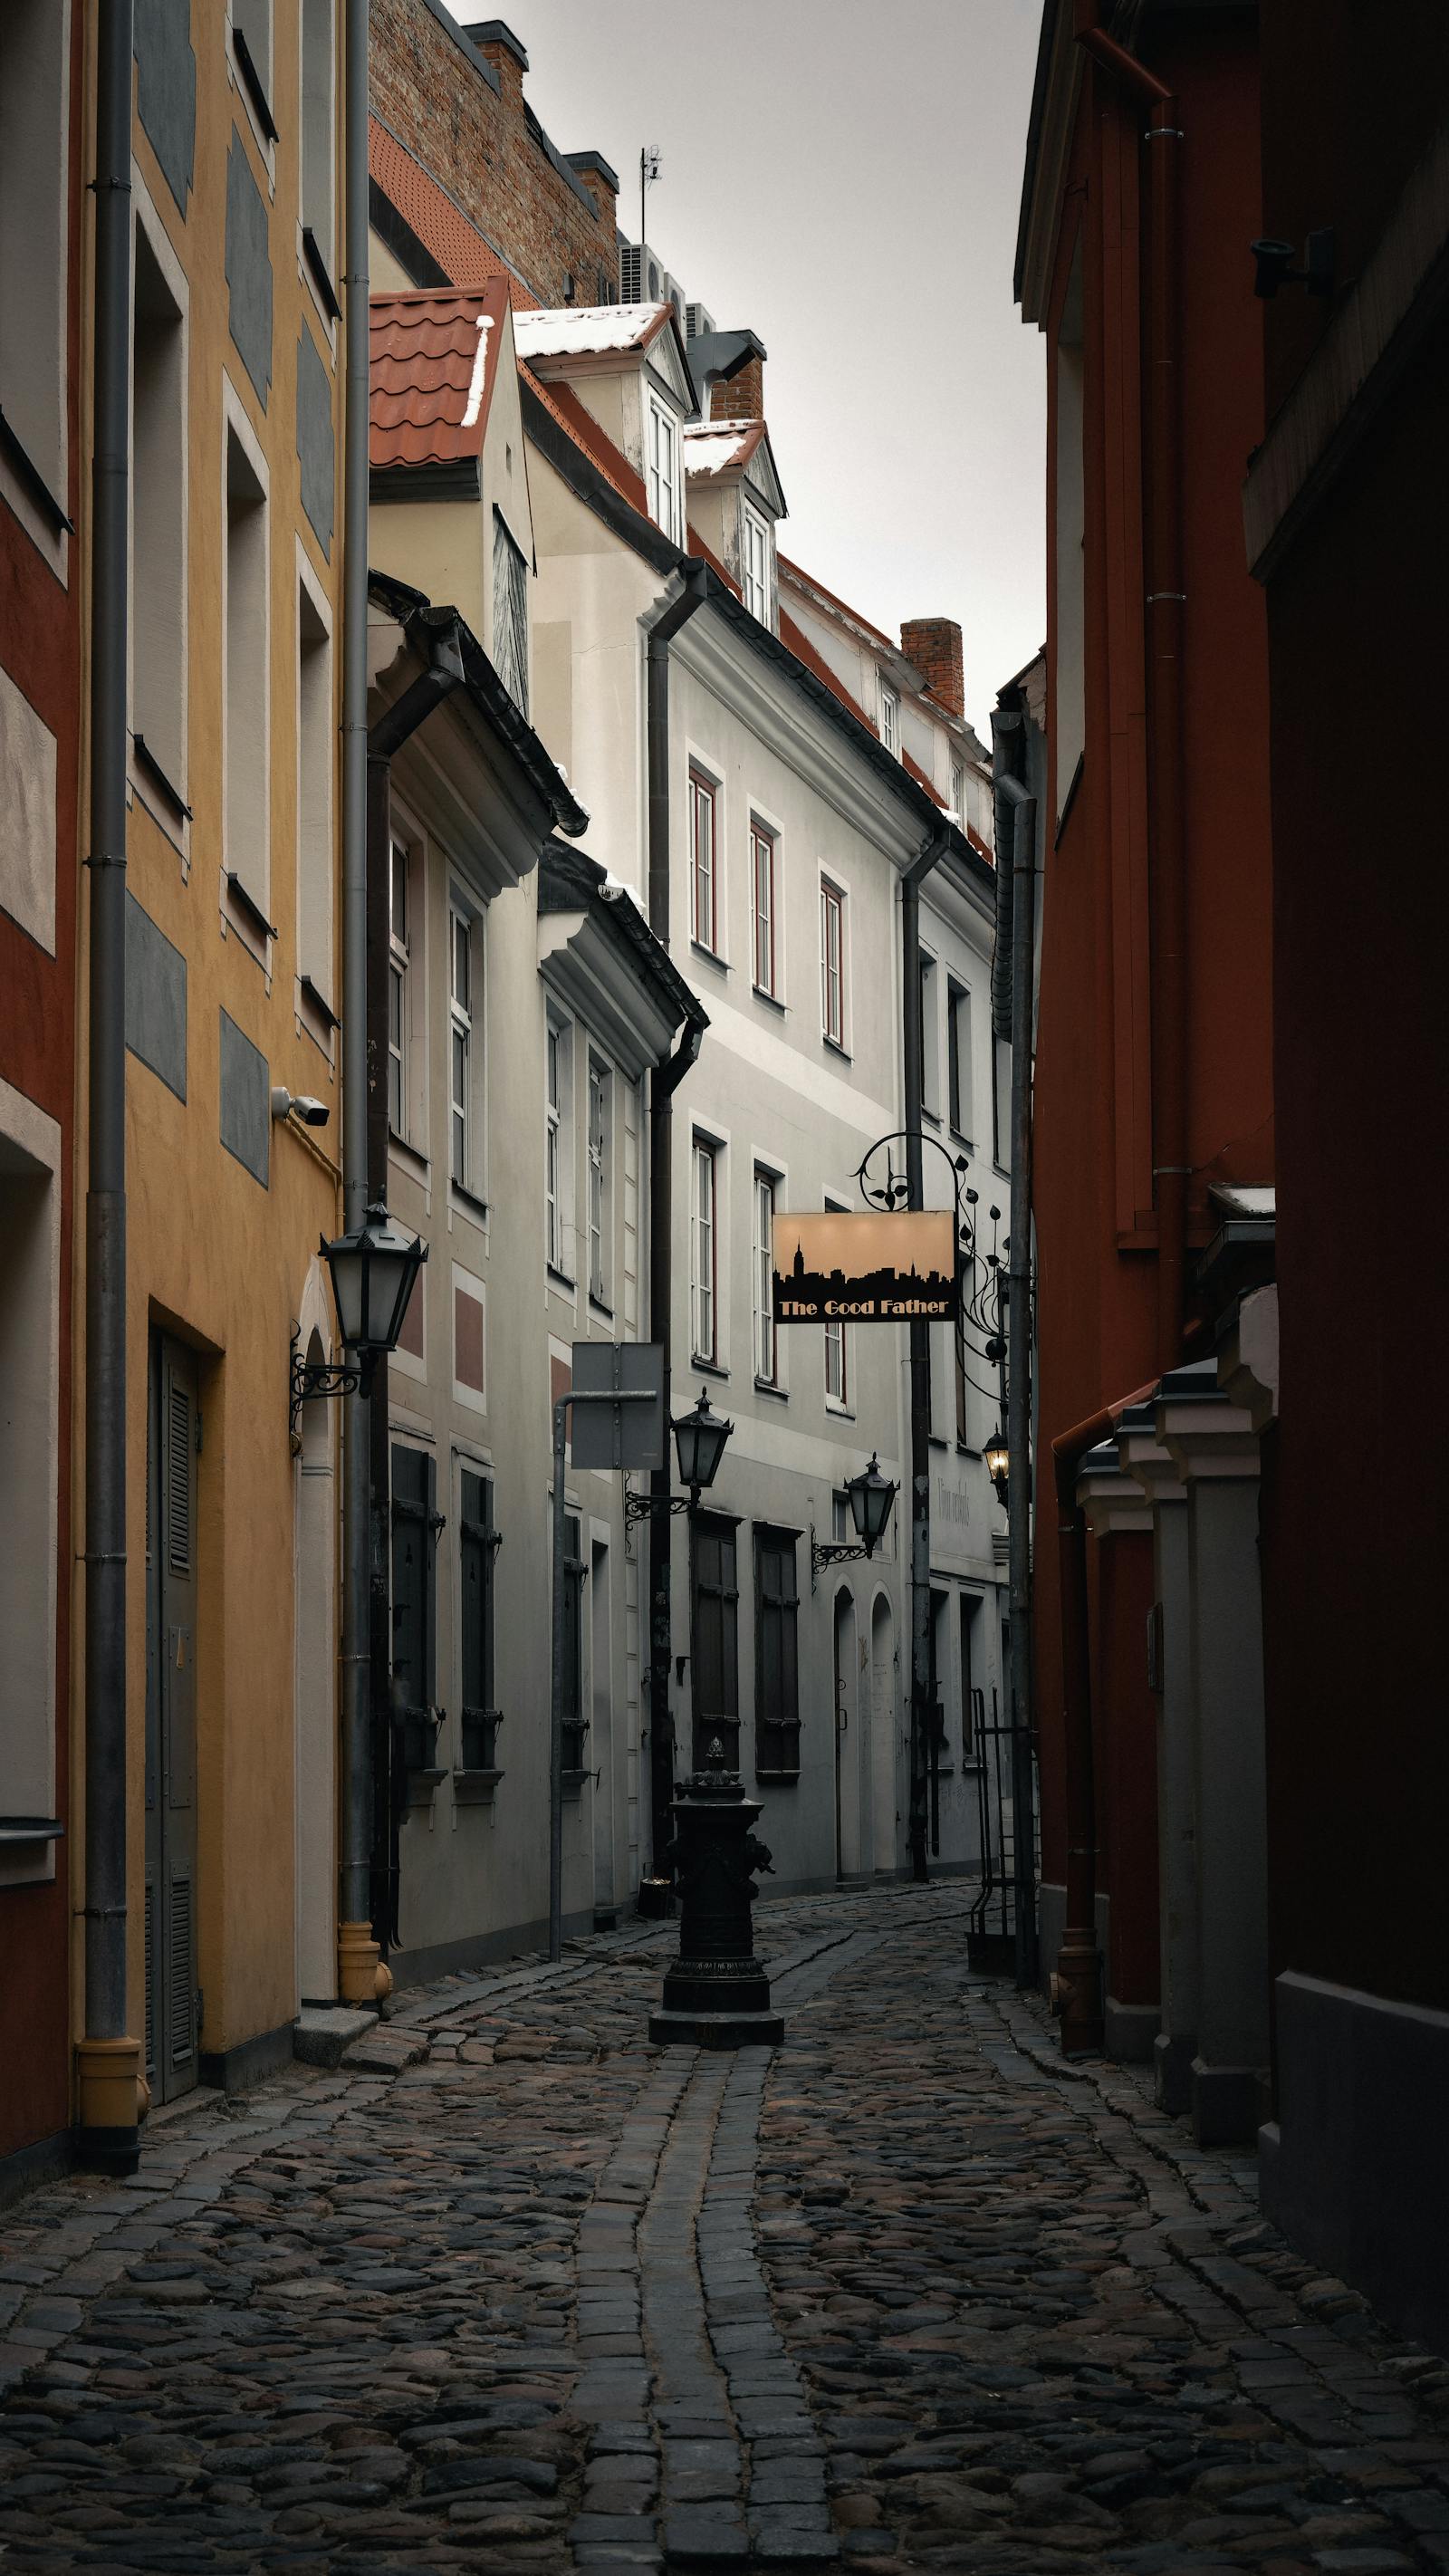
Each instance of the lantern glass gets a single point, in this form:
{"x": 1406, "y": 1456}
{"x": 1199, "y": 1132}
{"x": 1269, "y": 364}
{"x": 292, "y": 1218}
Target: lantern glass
{"x": 699, "y": 1438}
{"x": 997, "y": 1457}
{"x": 373, "y": 1272}
{"x": 871, "y": 1496}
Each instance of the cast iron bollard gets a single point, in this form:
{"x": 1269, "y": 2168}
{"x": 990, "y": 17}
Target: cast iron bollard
{"x": 716, "y": 1994}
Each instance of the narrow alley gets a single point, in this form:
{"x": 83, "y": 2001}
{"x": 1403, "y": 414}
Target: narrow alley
{"x": 512, "y": 2290}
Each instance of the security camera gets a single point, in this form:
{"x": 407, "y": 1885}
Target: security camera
{"x": 312, "y": 1113}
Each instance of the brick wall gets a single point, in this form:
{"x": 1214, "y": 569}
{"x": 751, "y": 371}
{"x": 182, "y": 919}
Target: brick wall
{"x": 477, "y": 142}
{"x": 934, "y": 645}
{"x": 743, "y": 397}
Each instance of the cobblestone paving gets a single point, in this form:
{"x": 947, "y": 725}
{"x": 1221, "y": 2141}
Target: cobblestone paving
{"x": 513, "y": 2291}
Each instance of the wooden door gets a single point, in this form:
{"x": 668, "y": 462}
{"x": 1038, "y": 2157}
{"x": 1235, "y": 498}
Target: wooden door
{"x": 173, "y": 1436}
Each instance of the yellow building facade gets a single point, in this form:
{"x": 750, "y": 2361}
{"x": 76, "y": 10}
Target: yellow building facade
{"x": 232, "y": 992}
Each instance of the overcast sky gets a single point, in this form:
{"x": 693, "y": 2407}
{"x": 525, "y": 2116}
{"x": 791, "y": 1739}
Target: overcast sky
{"x": 844, "y": 179}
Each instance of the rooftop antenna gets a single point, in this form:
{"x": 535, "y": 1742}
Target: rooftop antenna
{"x": 648, "y": 173}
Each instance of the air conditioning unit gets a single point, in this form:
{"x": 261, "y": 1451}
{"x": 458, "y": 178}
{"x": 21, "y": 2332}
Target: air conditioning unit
{"x": 629, "y": 273}
{"x": 697, "y": 323}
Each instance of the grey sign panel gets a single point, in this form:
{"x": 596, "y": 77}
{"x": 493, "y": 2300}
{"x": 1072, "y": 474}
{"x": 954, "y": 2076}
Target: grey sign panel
{"x": 629, "y": 1434}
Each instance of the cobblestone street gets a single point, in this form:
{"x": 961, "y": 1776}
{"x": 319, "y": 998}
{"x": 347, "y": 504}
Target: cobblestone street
{"x": 512, "y": 2290}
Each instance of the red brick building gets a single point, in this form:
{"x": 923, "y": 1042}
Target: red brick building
{"x": 41, "y": 168}
{"x": 453, "y": 97}
{"x": 1344, "y": 517}
{"x": 1153, "y": 1081}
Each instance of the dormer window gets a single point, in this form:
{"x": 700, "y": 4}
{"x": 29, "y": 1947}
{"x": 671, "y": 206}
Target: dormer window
{"x": 664, "y": 470}
{"x": 757, "y": 565}
{"x": 890, "y": 721}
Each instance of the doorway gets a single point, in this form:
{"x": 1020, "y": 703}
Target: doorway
{"x": 884, "y": 1819}
{"x": 601, "y": 1710}
{"x": 847, "y": 1762}
{"x": 316, "y": 1730}
{"x": 172, "y": 1434}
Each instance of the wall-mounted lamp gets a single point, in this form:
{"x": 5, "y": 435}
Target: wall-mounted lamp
{"x": 1272, "y": 266}
{"x": 700, "y": 1438}
{"x": 373, "y": 1270}
{"x": 998, "y": 1460}
{"x": 870, "y": 1495}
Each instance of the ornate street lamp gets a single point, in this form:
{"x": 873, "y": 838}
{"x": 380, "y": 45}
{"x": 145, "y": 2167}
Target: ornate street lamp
{"x": 870, "y": 1495}
{"x": 700, "y": 1438}
{"x": 373, "y": 1271}
{"x": 997, "y": 1461}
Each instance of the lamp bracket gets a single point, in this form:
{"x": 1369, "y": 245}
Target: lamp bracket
{"x": 832, "y": 1552}
{"x": 317, "y": 1377}
{"x": 637, "y": 1507}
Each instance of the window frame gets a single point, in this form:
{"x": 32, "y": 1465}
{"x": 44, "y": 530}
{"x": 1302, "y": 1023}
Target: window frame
{"x": 765, "y": 847}
{"x": 705, "y": 1153}
{"x": 35, "y": 458}
{"x": 401, "y": 858}
{"x": 462, "y": 1016}
{"x": 833, "y": 901}
{"x": 600, "y": 1181}
{"x": 159, "y": 767}
{"x": 417, "y": 1716}
{"x": 559, "y": 1146}
{"x": 510, "y": 603}
{"x": 662, "y": 435}
{"x": 958, "y": 791}
{"x": 717, "y": 1529}
{"x": 836, "y": 1337}
{"x": 318, "y": 118}
{"x": 704, "y": 798}
{"x": 757, "y": 582}
{"x": 478, "y": 1542}
{"x": 930, "y": 1046}
{"x": 766, "y": 1330}
{"x": 960, "y": 1086}
{"x": 890, "y": 719}
{"x": 249, "y": 916}
{"x": 316, "y": 795}
{"x": 575, "y": 1679}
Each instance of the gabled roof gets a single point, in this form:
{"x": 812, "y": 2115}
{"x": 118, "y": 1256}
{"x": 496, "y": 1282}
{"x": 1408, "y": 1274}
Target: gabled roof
{"x": 714, "y": 448}
{"x": 433, "y": 366}
{"x": 588, "y": 330}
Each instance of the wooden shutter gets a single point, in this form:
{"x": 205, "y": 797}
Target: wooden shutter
{"x": 476, "y": 1539}
{"x": 415, "y": 1527}
{"x": 716, "y": 1640}
{"x": 777, "y": 1707}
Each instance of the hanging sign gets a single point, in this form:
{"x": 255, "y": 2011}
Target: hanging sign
{"x": 874, "y": 1269}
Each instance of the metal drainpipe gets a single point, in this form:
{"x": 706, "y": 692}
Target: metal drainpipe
{"x": 662, "y": 1087}
{"x": 1008, "y": 731}
{"x": 361, "y": 1978}
{"x": 920, "y": 1358}
{"x": 109, "y": 2072}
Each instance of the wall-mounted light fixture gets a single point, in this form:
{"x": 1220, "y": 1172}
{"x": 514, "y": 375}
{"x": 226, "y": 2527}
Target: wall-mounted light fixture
{"x": 998, "y": 1459}
{"x": 870, "y": 1495}
{"x": 700, "y": 1439}
{"x": 373, "y": 1271}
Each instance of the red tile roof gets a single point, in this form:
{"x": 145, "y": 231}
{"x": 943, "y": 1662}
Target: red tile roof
{"x": 809, "y": 581}
{"x": 434, "y": 364}
{"x": 461, "y": 251}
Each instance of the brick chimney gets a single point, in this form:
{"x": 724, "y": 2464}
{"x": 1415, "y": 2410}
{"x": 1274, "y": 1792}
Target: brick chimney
{"x": 740, "y": 397}
{"x": 498, "y": 45}
{"x": 934, "y": 645}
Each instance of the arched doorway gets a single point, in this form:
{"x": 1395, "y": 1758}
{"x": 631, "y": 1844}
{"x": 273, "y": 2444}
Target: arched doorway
{"x": 885, "y": 1829}
{"x": 316, "y": 1698}
{"x": 847, "y": 1738}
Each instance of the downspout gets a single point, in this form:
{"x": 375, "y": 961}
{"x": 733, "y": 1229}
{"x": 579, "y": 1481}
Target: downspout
{"x": 1015, "y": 800}
{"x": 109, "y": 2071}
{"x": 664, "y": 1082}
{"x": 1076, "y": 1986}
{"x": 444, "y": 673}
{"x": 358, "y": 1961}
{"x": 920, "y": 1356}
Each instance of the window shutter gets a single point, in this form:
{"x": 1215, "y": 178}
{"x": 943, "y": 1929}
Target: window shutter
{"x": 415, "y": 1526}
{"x": 475, "y": 1562}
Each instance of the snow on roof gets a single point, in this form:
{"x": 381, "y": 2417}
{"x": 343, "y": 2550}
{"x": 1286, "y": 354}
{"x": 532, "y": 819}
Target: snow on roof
{"x": 586, "y": 330}
{"x": 713, "y": 446}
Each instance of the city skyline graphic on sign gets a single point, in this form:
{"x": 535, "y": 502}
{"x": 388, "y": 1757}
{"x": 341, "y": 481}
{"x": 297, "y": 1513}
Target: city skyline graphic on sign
{"x": 873, "y": 1269}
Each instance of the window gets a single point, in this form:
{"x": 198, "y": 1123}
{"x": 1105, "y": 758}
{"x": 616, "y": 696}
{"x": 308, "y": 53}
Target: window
{"x": 704, "y": 1270}
{"x": 664, "y": 470}
{"x": 460, "y": 1051}
{"x": 958, "y": 1060}
{"x": 890, "y": 721}
{"x": 836, "y": 1380}
{"x": 832, "y": 962}
{"x": 558, "y": 1146}
{"x": 34, "y": 126}
{"x": 399, "y": 995}
{"x": 755, "y": 567}
{"x": 158, "y": 526}
{"x": 510, "y": 615}
{"x": 319, "y": 129}
{"x": 247, "y": 726}
{"x": 477, "y": 1547}
{"x": 930, "y": 1073}
{"x": 763, "y": 906}
{"x": 703, "y": 890}
{"x": 958, "y": 792}
{"x": 416, "y": 1522}
{"x": 963, "y": 1419}
{"x": 575, "y": 1723}
{"x": 315, "y": 741}
{"x": 1001, "y": 1101}
{"x": 777, "y": 1693}
{"x": 714, "y": 1624}
{"x": 766, "y": 1346}
{"x": 600, "y": 1107}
